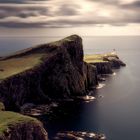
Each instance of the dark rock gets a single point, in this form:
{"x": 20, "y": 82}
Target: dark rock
{"x": 1, "y": 70}
{"x": 37, "y": 110}
{"x": 25, "y": 131}
{"x": 115, "y": 62}
{"x": 61, "y": 74}
{"x": 73, "y": 135}
{"x": 26, "y": 108}
{"x": 2, "y": 107}
{"x": 103, "y": 67}
{"x": 101, "y": 78}
{"x": 90, "y": 75}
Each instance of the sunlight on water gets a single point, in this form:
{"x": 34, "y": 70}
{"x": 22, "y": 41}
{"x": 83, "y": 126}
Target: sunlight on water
{"x": 92, "y": 135}
{"x": 114, "y": 73}
{"x": 100, "y": 86}
{"x": 88, "y": 98}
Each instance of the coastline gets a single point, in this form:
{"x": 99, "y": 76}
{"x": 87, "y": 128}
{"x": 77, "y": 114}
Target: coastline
{"x": 101, "y": 65}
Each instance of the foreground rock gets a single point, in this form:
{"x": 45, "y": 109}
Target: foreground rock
{"x": 72, "y": 135}
{"x": 37, "y": 110}
{"x": 14, "y": 126}
{"x": 45, "y": 73}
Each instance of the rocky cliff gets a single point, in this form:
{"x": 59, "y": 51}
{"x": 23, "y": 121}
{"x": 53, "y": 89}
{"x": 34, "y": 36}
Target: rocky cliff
{"x": 105, "y": 63}
{"x": 43, "y": 74}
{"x": 103, "y": 67}
{"x": 2, "y": 107}
{"x": 14, "y": 126}
{"x": 46, "y": 72}
{"x": 114, "y": 61}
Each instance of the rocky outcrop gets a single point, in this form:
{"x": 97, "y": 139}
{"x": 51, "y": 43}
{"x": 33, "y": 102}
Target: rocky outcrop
{"x": 103, "y": 67}
{"x": 71, "y": 135}
{"x": 107, "y": 64}
{"x": 19, "y": 127}
{"x": 60, "y": 74}
{"x": 90, "y": 72}
{"x": 114, "y": 61}
{"x": 25, "y": 131}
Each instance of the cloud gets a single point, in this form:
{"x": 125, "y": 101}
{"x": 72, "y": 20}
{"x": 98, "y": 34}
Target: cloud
{"x": 62, "y": 13}
{"x": 133, "y": 5}
{"x": 12, "y": 1}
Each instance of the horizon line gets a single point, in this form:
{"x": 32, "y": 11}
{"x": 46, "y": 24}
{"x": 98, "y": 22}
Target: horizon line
{"x": 19, "y": 36}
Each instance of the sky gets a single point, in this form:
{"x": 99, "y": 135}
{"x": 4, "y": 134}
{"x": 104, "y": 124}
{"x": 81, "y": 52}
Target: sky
{"x": 64, "y": 17}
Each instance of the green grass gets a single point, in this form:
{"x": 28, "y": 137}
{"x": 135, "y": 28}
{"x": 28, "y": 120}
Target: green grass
{"x": 17, "y": 65}
{"x": 97, "y": 58}
{"x": 11, "y": 119}
{"x": 93, "y": 58}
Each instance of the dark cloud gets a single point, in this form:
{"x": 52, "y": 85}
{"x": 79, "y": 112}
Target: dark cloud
{"x": 19, "y": 1}
{"x": 133, "y": 5}
{"x": 68, "y": 10}
{"x": 12, "y": 1}
{"x": 22, "y": 11}
{"x": 51, "y": 13}
{"x": 116, "y": 2}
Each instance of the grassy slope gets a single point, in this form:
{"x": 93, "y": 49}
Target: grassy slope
{"x": 10, "y": 119}
{"x": 19, "y": 62}
{"x": 15, "y": 65}
{"x": 97, "y": 58}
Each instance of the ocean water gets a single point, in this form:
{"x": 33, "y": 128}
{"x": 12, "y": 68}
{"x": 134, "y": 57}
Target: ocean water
{"x": 117, "y": 114}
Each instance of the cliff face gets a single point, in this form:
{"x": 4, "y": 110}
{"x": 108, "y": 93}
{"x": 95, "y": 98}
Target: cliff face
{"x": 25, "y": 131}
{"x": 103, "y": 67}
{"x": 114, "y": 61}
{"x": 105, "y": 63}
{"x": 90, "y": 72}
{"x": 2, "y": 107}
{"x": 60, "y": 73}
{"x": 14, "y": 126}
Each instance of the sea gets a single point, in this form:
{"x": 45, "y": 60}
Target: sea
{"x": 117, "y": 112}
